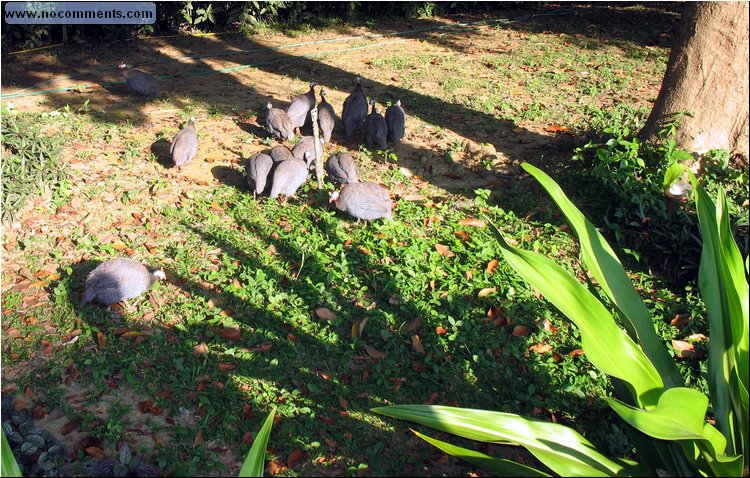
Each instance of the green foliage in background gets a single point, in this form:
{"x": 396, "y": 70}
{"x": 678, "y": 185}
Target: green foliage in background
{"x": 32, "y": 163}
{"x": 666, "y": 421}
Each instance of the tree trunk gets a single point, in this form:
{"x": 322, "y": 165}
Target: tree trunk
{"x": 707, "y": 76}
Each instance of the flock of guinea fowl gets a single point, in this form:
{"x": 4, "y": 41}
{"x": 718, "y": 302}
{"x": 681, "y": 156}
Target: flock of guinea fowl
{"x": 279, "y": 171}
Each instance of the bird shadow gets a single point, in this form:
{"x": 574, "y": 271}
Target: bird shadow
{"x": 160, "y": 150}
{"x": 230, "y": 176}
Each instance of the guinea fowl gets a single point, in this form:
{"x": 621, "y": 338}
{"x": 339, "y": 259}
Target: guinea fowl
{"x": 140, "y": 81}
{"x": 326, "y": 117}
{"x": 258, "y": 168}
{"x": 278, "y": 123}
{"x": 395, "y": 119}
{"x": 376, "y": 129}
{"x": 342, "y": 168}
{"x": 301, "y": 106}
{"x": 306, "y": 144}
{"x": 355, "y": 109}
{"x": 280, "y": 153}
{"x": 118, "y": 280}
{"x": 366, "y": 200}
{"x": 288, "y": 176}
{"x": 184, "y": 144}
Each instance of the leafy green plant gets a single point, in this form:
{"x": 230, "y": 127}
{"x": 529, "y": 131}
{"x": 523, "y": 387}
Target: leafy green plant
{"x": 665, "y": 420}
{"x": 10, "y": 465}
{"x": 32, "y": 164}
{"x": 36, "y": 451}
{"x": 126, "y": 464}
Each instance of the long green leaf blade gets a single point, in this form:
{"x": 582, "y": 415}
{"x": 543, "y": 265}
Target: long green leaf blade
{"x": 606, "y": 268}
{"x": 498, "y": 466}
{"x": 606, "y": 346}
{"x": 255, "y": 460}
{"x": 560, "y": 448}
{"x": 9, "y": 466}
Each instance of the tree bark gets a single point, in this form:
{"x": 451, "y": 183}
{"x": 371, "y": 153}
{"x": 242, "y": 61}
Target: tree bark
{"x": 707, "y": 76}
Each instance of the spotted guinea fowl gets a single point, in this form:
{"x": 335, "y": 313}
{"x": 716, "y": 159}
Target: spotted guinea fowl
{"x": 184, "y": 144}
{"x": 280, "y": 153}
{"x": 355, "y": 109}
{"x": 288, "y": 176}
{"x": 395, "y": 118}
{"x": 278, "y": 123}
{"x": 118, "y": 280}
{"x": 363, "y": 200}
{"x": 301, "y": 106}
{"x": 140, "y": 81}
{"x": 326, "y": 117}
{"x": 306, "y": 144}
{"x": 341, "y": 168}
{"x": 376, "y": 129}
{"x": 258, "y": 169}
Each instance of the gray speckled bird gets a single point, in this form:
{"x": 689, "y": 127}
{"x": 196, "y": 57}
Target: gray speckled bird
{"x": 280, "y": 153}
{"x": 140, "y": 81}
{"x": 301, "y": 106}
{"x": 376, "y": 129}
{"x": 184, "y": 144}
{"x": 278, "y": 123}
{"x": 341, "y": 168}
{"x": 118, "y": 280}
{"x": 355, "y": 109}
{"x": 363, "y": 200}
{"x": 306, "y": 144}
{"x": 395, "y": 118}
{"x": 326, "y": 117}
{"x": 258, "y": 168}
{"x": 288, "y": 176}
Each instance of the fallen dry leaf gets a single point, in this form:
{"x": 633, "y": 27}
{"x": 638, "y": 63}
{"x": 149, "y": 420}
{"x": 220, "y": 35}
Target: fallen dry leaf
{"x": 683, "y": 349}
{"x": 200, "y": 349}
{"x": 96, "y": 452}
{"x": 262, "y": 347}
{"x": 491, "y": 266}
{"x": 414, "y": 324}
{"x": 226, "y": 366}
{"x": 472, "y": 222}
{"x": 375, "y": 353}
{"x": 440, "y": 330}
{"x": 681, "y": 320}
{"x": 486, "y": 291}
{"x": 576, "y": 352}
{"x": 414, "y": 197}
{"x": 554, "y": 128}
{"x": 325, "y": 313}
{"x": 444, "y": 250}
{"x": 295, "y": 456}
{"x": 119, "y": 246}
{"x": 229, "y": 333}
{"x": 275, "y": 467}
{"x": 416, "y": 344}
{"x": 215, "y": 206}
{"x": 344, "y": 403}
{"x": 520, "y": 331}
{"x": 463, "y": 235}
{"x": 540, "y": 348}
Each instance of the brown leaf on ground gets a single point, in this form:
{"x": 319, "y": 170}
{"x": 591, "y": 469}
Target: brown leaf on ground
{"x": 681, "y": 321}
{"x": 491, "y": 266}
{"x": 520, "y": 331}
{"x": 540, "y": 348}
{"x": 262, "y": 347}
{"x": 295, "y": 456}
{"x": 683, "y": 349}
{"x": 200, "y": 349}
{"x": 229, "y": 333}
{"x": 463, "y": 235}
{"x": 275, "y": 467}
{"x": 576, "y": 352}
{"x": 215, "y": 206}
{"x": 226, "y": 366}
{"x": 159, "y": 441}
{"x": 444, "y": 250}
{"x": 416, "y": 344}
{"x": 70, "y": 426}
{"x": 440, "y": 330}
{"x": 414, "y": 197}
{"x": 119, "y": 246}
{"x": 414, "y": 324}
{"x": 344, "y": 403}
{"x": 13, "y": 333}
{"x": 555, "y": 128}
{"x": 96, "y": 452}
{"x": 486, "y": 291}
{"x": 101, "y": 339}
{"x": 375, "y": 353}
{"x": 324, "y": 313}
{"x": 198, "y": 441}
{"x": 470, "y": 221}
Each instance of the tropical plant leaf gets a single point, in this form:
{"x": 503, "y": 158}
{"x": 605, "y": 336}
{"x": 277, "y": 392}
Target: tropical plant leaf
{"x": 606, "y": 268}
{"x": 255, "y": 460}
{"x": 9, "y": 464}
{"x": 498, "y": 466}
{"x": 562, "y": 449}
{"x": 606, "y": 346}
